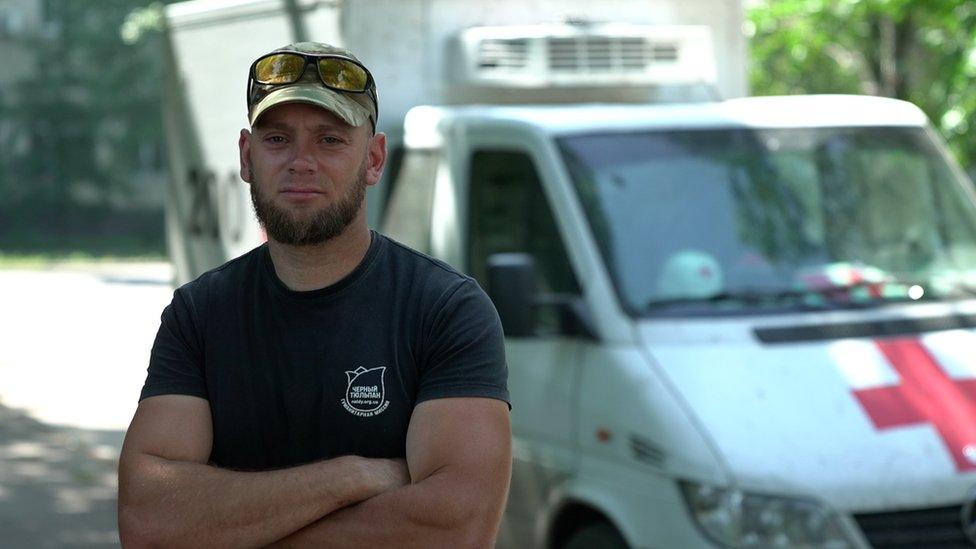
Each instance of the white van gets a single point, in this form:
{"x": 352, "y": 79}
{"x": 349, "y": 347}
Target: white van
{"x": 739, "y": 324}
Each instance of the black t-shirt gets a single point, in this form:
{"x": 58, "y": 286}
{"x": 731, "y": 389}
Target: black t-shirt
{"x": 294, "y": 377}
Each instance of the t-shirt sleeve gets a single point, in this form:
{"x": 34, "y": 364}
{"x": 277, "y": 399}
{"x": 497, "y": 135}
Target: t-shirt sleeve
{"x": 176, "y": 359}
{"x": 465, "y": 350}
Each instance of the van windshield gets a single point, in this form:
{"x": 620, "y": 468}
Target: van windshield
{"x": 752, "y": 220}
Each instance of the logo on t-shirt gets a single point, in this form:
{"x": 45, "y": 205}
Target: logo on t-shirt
{"x": 366, "y": 392}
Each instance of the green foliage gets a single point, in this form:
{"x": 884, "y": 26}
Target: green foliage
{"x": 82, "y": 122}
{"x": 142, "y": 22}
{"x": 89, "y": 232}
{"x": 923, "y": 51}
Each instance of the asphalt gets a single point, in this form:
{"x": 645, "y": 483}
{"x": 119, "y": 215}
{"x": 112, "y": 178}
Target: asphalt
{"x": 74, "y": 344}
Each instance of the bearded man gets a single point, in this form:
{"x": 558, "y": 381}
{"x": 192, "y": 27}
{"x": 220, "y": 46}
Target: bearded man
{"x": 331, "y": 387}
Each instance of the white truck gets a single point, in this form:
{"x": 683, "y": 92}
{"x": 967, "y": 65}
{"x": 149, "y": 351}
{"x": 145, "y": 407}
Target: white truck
{"x": 737, "y": 323}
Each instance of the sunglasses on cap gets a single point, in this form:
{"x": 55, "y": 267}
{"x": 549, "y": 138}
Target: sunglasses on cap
{"x": 335, "y": 72}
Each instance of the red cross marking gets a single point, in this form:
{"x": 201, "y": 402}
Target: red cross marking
{"x": 926, "y": 395}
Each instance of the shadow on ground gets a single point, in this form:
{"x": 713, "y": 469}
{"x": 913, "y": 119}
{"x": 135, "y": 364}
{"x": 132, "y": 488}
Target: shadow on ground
{"x": 57, "y": 484}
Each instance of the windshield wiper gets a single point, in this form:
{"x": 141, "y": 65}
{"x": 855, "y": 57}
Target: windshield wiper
{"x": 743, "y": 296}
{"x": 968, "y": 289}
{"x": 826, "y": 297}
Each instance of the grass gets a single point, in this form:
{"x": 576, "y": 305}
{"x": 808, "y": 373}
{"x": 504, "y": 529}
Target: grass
{"x": 76, "y": 234}
{"x": 40, "y": 250}
{"x": 31, "y": 260}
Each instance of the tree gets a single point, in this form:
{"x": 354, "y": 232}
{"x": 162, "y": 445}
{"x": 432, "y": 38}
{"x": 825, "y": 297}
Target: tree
{"x": 923, "y": 51}
{"x": 79, "y": 127}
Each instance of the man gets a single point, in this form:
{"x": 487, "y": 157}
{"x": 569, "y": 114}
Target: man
{"x": 329, "y": 388}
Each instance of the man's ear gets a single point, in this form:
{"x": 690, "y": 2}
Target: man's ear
{"x": 375, "y": 158}
{"x": 244, "y": 146}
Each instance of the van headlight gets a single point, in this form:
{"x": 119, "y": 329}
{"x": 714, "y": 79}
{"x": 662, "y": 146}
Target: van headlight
{"x": 733, "y": 518}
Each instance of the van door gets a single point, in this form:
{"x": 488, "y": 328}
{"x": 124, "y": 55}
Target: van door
{"x": 409, "y": 209}
{"x": 508, "y": 211}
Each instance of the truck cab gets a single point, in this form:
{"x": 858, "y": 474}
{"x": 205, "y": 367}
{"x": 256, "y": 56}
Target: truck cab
{"x": 744, "y": 323}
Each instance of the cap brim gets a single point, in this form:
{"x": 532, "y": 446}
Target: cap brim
{"x": 343, "y": 106}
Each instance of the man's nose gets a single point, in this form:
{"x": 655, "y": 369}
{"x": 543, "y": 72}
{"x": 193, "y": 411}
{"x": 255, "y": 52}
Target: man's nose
{"x": 303, "y": 161}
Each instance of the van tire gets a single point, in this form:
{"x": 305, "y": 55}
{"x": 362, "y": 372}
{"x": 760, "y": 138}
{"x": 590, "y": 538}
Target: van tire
{"x": 597, "y": 535}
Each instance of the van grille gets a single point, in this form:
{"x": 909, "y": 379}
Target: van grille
{"x": 608, "y": 54}
{"x": 503, "y": 53}
{"x": 939, "y": 527}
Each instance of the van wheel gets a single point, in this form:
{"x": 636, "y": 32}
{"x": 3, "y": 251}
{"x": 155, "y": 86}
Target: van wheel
{"x": 598, "y": 535}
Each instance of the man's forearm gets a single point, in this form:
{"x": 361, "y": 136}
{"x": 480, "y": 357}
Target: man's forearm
{"x": 179, "y": 503}
{"x": 440, "y": 511}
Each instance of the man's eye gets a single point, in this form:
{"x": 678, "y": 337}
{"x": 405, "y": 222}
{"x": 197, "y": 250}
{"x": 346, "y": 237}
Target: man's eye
{"x": 331, "y": 139}
{"x": 275, "y": 139}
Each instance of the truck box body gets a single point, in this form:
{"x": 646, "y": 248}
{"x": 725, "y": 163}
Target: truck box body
{"x": 413, "y": 49}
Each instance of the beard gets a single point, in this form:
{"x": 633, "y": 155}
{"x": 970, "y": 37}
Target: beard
{"x": 321, "y": 226}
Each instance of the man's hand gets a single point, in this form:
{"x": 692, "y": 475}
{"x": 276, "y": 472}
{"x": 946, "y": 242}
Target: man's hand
{"x": 169, "y": 496}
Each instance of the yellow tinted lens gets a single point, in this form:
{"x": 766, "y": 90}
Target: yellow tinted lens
{"x": 343, "y": 74}
{"x": 282, "y": 68}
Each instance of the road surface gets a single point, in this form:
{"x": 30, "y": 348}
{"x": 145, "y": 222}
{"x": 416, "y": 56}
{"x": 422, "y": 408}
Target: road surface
{"x": 74, "y": 345}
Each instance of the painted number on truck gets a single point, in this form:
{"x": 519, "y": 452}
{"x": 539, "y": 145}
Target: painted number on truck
{"x": 216, "y": 207}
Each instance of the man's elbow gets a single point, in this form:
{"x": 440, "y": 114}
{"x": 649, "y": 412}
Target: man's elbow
{"x": 141, "y": 524}
{"x": 138, "y": 530}
{"x": 476, "y": 526}
{"x": 147, "y": 526}
{"x": 477, "y": 534}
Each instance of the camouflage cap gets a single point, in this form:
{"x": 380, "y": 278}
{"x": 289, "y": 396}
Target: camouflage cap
{"x": 354, "y": 108}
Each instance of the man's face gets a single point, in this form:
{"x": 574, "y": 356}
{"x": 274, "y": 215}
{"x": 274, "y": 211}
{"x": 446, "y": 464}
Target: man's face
{"x": 308, "y": 171}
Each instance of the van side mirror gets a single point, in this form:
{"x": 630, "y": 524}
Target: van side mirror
{"x": 511, "y": 286}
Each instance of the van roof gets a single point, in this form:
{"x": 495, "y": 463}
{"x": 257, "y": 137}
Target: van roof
{"x": 747, "y": 112}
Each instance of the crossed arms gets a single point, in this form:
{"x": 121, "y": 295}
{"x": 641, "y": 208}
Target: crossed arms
{"x": 449, "y": 492}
